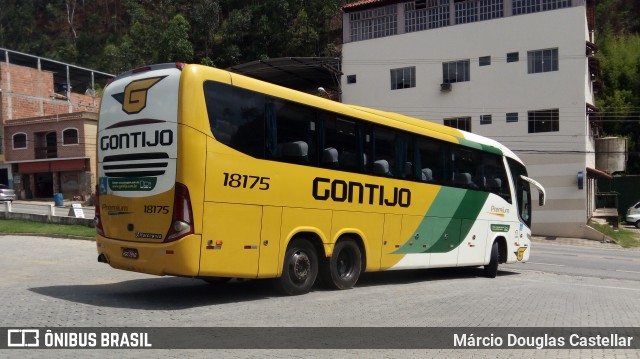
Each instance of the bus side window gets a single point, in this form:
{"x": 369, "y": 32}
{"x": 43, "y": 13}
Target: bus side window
{"x": 494, "y": 169}
{"x": 236, "y": 117}
{"x": 468, "y": 169}
{"x": 291, "y": 132}
{"x": 429, "y": 161}
{"x": 342, "y": 143}
{"x": 392, "y": 154}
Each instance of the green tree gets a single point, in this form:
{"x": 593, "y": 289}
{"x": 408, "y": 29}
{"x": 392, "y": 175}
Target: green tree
{"x": 619, "y": 100}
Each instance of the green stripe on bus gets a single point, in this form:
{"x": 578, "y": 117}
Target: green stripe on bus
{"x": 445, "y": 217}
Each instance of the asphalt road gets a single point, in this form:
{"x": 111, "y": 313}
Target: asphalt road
{"x": 53, "y": 282}
{"x": 582, "y": 261}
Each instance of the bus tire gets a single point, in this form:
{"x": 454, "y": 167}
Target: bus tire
{"x": 300, "y": 268}
{"x": 342, "y": 269}
{"x": 491, "y": 269}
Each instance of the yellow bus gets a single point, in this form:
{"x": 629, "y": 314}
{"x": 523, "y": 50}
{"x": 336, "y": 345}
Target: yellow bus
{"x": 208, "y": 174}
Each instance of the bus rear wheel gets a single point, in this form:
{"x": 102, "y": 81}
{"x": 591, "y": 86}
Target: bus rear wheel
{"x": 342, "y": 269}
{"x": 300, "y": 268}
{"x": 491, "y": 269}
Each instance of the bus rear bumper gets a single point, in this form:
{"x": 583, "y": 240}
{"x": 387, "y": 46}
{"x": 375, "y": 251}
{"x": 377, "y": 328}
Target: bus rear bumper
{"x": 179, "y": 258}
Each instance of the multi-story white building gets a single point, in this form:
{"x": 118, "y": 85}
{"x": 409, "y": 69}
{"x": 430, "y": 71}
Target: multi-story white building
{"x": 518, "y": 71}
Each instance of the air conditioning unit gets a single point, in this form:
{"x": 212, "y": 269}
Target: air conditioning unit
{"x": 445, "y": 87}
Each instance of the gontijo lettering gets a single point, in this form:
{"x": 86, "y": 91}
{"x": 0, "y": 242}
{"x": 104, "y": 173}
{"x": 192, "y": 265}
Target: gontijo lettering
{"x": 349, "y": 191}
{"x": 136, "y": 139}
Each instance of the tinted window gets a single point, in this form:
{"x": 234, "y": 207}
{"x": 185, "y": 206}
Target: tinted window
{"x": 237, "y": 117}
{"x": 432, "y": 160}
{"x": 344, "y": 143}
{"x": 392, "y": 153}
{"x": 523, "y": 191}
{"x": 290, "y": 132}
{"x": 467, "y": 168}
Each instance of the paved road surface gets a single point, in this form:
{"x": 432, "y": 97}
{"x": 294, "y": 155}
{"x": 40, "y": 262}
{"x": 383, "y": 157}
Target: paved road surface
{"x": 58, "y": 283}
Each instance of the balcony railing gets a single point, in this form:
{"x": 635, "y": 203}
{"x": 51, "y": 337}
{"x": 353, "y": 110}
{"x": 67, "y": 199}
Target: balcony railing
{"x": 46, "y": 152}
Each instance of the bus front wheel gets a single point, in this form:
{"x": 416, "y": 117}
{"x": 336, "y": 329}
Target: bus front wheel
{"x": 491, "y": 269}
{"x": 342, "y": 269}
{"x": 300, "y": 268}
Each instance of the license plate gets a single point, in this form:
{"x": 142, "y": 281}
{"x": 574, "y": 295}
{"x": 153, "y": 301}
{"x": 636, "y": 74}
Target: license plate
{"x": 130, "y": 253}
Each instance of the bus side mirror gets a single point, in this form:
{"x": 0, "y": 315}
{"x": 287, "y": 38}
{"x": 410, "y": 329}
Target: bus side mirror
{"x": 538, "y": 186}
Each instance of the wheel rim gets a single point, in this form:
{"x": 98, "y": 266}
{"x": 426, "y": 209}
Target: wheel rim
{"x": 300, "y": 267}
{"x": 344, "y": 265}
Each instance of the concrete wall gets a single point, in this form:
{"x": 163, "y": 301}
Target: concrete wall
{"x": 89, "y": 222}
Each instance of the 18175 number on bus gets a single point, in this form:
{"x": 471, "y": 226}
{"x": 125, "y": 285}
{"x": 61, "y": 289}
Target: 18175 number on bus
{"x": 237, "y": 180}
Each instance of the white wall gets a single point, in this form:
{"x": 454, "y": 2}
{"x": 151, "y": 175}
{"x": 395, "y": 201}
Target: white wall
{"x": 554, "y": 158}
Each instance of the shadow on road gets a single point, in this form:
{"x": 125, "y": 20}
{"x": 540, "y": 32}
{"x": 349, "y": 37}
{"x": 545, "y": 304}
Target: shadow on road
{"x": 422, "y": 275}
{"x": 173, "y": 293}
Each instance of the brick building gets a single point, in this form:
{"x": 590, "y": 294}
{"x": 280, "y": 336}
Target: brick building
{"x": 49, "y": 117}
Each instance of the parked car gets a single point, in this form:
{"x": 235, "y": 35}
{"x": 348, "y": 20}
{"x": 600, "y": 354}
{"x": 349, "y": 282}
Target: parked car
{"x": 6, "y": 193}
{"x": 633, "y": 215}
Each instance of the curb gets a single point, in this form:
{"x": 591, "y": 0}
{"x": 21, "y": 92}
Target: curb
{"x": 51, "y": 235}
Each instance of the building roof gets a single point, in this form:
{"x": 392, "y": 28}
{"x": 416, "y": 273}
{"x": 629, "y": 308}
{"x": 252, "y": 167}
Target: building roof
{"x": 367, "y": 4}
{"x": 305, "y": 74}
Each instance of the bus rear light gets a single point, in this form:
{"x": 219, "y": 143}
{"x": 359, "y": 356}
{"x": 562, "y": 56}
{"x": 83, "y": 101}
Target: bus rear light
{"x": 98, "y": 222}
{"x": 180, "y": 65}
{"x": 182, "y": 220}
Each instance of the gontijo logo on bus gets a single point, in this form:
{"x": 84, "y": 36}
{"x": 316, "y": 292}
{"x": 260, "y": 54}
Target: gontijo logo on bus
{"x": 136, "y": 139}
{"x": 134, "y": 97}
{"x": 350, "y": 191}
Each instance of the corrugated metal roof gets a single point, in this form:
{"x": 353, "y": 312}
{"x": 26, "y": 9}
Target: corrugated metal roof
{"x": 366, "y": 4}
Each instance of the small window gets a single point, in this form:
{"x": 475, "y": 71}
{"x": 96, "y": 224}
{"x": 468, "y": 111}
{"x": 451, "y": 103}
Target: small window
{"x": 70, "y": 136}
{"x": 544, "y": 121}
{"x": 455, "y": 71}
{"x": 485, "y": 119}
{"x": 512, "y": 117}
{"x": 351, "y": 79}
{"x": 403, "y": 78}
{"x": 513, "y": 57}
{"x": 461, "y": 123}
{"x": 484, "y": 60}
{"x": 19, "y": 141}
{"x": 542, "y": 61}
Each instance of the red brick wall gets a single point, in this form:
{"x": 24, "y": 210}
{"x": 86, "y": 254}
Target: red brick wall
{"x": 32, "y": 95}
